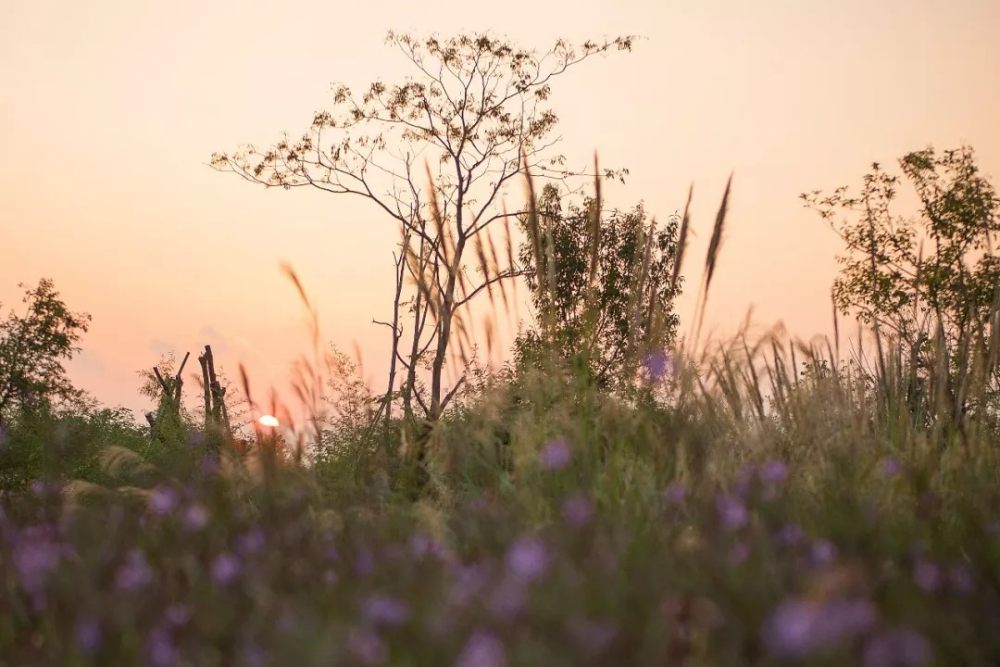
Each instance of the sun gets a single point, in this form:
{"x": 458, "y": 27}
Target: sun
{"x": 268, "y": 420}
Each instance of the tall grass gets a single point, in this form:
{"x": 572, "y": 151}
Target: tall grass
{"x": 758, "y": 501}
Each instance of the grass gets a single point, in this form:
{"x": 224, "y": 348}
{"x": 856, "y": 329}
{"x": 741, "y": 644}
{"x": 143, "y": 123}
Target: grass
{"x": 760, "y": 503}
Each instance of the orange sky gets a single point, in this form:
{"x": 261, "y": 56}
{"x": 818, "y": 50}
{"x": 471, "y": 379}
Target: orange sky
{"x": 111, "y": 109}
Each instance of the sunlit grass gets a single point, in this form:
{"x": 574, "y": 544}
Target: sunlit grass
{"x": 757, "y": 502}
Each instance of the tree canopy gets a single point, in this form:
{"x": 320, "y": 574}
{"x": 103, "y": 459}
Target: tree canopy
{"x": 901, "y": 271}
{"x": 611, "y": 297}
{"x": 33, "y": 347}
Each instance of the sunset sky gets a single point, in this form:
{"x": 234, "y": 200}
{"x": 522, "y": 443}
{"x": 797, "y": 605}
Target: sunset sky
{"x": 112, "y": 108}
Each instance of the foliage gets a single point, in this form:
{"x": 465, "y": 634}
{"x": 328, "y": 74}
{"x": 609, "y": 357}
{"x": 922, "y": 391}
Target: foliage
{"x": 827, "y": 531}
{"x": 605, "y": 325}
{"x": 900, "y": 272}
{"x": 33, "y": 347}
{"x": 65, "y": 444}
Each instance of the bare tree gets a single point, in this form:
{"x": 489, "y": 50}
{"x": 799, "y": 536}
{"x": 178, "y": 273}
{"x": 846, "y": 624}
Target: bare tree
{"x": 475, "y": 113}
{"x": 167, "y": 391}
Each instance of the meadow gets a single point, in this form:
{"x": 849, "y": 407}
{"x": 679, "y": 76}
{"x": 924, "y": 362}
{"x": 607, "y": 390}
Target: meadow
{"x": 747, "y": 508}
{"x": 618, "y": 496}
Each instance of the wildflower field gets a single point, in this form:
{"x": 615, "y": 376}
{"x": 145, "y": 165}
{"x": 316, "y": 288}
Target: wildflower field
{"x": 558, "y": 528}
{"x": 619, "y": 490}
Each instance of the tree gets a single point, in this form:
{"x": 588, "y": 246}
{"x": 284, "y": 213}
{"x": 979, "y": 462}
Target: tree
{"x": 900, "y": 272}
{"x": 932, "y": 280}
{"x": 33, "y": 347}
{"x": 475, "y": 113}
{"x": 605, "y": 279}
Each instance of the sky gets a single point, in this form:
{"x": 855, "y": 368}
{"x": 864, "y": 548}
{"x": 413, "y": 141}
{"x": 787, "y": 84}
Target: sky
{"x": 112, "y": 108}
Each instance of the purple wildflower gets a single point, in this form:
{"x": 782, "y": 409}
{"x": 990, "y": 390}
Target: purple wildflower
{"x": 790, "y": 535}
{"x": 196, "y": 517}
{"x": 483, "y": 649}
{"x": 657, "y": 364}
{"x": 555, "y": 455}
{"x": 897, "y": 648}
{"x": 364, "y": 562}
{"x": 134, "y": 573}
{"x": 420, "y": 545}
{"x": 469, "y": 581}
{"x": 88, "y": 635}
{"x": 253, "y": 655}
{"x": 177, "y": 615}
{"x": 732, "y": 512}
{"x": 210, "y": 465}
{"x": 36, "y": 556}
{"x": 385, "y": 610}
{"x": 508, "y": 599}
{"x": 225, "y": 569}
{"x": 367, "y": 646}
{"x": 250, "y": 542}
{"x": 744, "y": 480}
{"x": 822, "y": 553}
{"x": 528, "y": 559}
{"x": 675, "y": 493}
{"x": 891, "y": 466}
{"x": 799, "y": 628}
{"x": 578, "y": 510}
{"x": 594, "y": 637}
{"x": 739, "y": 553}
{"x": 774, "y": 472}
{"x": 927, "y": 575}
{"x": 162, "y": 501}
{"x": 961, "y": 579}
{"x": 160, "y": 648}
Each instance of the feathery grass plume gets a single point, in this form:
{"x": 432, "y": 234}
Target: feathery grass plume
{"x": 681, "y": 242}
{"x": 550, "y": 258}
{"x": 509, "y": 242}
{"x": 726, "y": 381}
{"x": 437, "y": 217}
{"x": 495, "y": 262}
{"x": 463, "y": 284}
{"x": 289, "y": 272}
{"x": 124, "y": 465}
{"x": 795, "y": 364}
{"x": 758, "y": 395}
{"x": 78, "y": 493}
{"x": 712, "y": 256}
{"x": 307, "y": 378}
{"x": 534, "y": 231}
{"x": 595, "y": 226}
{"x": 639, "y": 284}
{"x": 488, "y": 330}
{"x": 464, "y": 342}
{"x": 836, "y": 329}
{"x": 484, "y": 266}
{"x": 425, "y": 284}
{"x": 245, "y": 383}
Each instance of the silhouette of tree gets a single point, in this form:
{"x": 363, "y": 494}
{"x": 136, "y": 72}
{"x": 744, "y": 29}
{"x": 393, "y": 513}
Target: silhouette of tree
{"x": 33, "y": 347}
{"x": 475, "y": 113}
